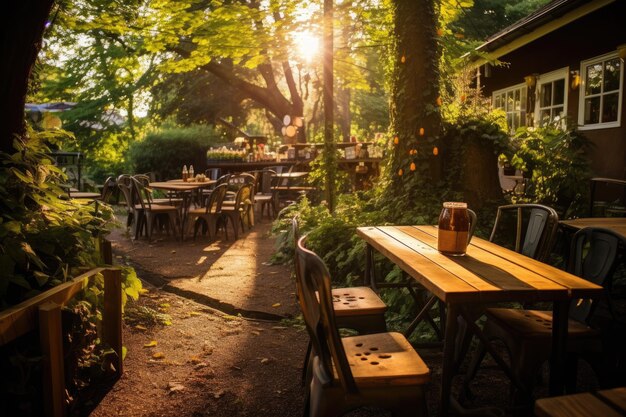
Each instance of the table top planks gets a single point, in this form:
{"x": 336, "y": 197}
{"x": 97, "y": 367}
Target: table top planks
{"x": 616, "y": 224}
{"x": 606, "y": 403}
{"x": 181, "y": 186}
{"x": 488, "y": 272}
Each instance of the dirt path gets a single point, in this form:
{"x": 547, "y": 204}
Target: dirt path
{"x": 240, "y": 360}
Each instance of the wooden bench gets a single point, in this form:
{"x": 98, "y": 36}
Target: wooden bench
{"x": 606, "y": 403}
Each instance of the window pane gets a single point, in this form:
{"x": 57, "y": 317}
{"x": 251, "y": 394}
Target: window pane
{"x": 509, "y": 121}
{"x": 517, "y": 101}
{"x": 522, "y": 118}
{"x": 516, "y": 120}
{"x": 593, "y": 83}
{"x": 523, "y": 98}
{"x": 510, "y": 105}
{"x": 611, "y": 74}
{"x": 609, "y": 108}
{"x": 498, "y": 102}
{"x": 592, "y": 110}
{"x": 559, "y": 92}
{"x": 544, "y": 117}
{"x": 545, "y": 97}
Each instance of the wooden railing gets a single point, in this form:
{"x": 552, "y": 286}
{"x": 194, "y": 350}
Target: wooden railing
{"x": 44, "y": 312}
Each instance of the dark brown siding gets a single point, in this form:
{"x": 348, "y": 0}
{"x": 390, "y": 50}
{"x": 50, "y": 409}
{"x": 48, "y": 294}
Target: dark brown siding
{"x": 596, "y": 34}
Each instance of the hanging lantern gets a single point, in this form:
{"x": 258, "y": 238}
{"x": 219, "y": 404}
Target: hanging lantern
{"x": 412, "y": 167}
{"x": 435, "y": 151}
{"x": 290, "y": 131}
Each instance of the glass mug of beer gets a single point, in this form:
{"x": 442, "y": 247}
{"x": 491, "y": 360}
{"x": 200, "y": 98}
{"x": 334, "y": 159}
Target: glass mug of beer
{"x": 454, "y": 229}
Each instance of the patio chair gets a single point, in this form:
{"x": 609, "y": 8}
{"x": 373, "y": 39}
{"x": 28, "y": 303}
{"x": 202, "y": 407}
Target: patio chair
{"x": 356, "y": 308}
{"x": 265, "y": 197}
{"x": 149, "y": 212}
{"x": 171, "y": 199}
{"x": 380, "y": 370}
{"x": 125, "y": 185}
{"x": 209, "y": 216}
{"x": 237, "y": 212}
{"x": 529, "y": 229}
{"x": 527, "y": 334}
{"x": 607, "y": 197}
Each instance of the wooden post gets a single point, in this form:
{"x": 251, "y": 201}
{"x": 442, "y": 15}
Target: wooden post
{"x": 112, "y": 315}
{"x": 52, "y": 349}
{"x": 106, "y": 251}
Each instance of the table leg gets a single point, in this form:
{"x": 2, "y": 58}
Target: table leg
{"x": 448, "y": 371}
{"x": 369, "y": 268}
{"x": 560, "y": 311}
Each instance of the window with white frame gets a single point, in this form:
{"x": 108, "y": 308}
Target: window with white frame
{"x": 513, "y": 101}
{"x": 601, "y": 92}
{"x": 551, "y": 103}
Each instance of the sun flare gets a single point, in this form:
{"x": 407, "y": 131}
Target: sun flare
{"x": 307, "y": 45}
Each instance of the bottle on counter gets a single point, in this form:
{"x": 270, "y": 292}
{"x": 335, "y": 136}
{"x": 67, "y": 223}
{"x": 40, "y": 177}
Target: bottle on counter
{"x": 191, "y": 175}
{"x": 185, "y": 173}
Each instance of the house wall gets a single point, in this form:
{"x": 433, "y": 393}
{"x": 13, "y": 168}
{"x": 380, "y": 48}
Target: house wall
{"x": 593, "y": 35}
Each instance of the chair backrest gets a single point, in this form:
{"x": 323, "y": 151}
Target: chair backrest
{"x": 216, "y": 198}
{"x": 266, "y": 181}
{"x": 529, "y": 229}
{"x": 107, "y": 189}
{"x": 212, "y": 173}
{"x": 593, "y": 256}
{"x": 140, "y": 193}
{"x": 125, "y": 184}
{"x": 315, "y": 299}
{"x": 604, "y": 193}
{"x": 243, "y": 196}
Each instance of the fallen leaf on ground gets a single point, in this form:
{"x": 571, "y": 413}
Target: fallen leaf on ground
{"x": 195, "y": 313}
{"x": 175, "y": 386}
{"x": 201, "y": 365}
{"x": 195, "y": 359}
{"x": 219, "y": 394}
{"x": 254, "y": 332}
{"x": 276, "y": 305}
{"x": 279, "y": 328}
{"x": 158, "y": 355}
{"x": 140, "y": 327}
{"x": 152, "y": 343}
{"x": 264, "y": 360}
{"x": 173, "y": 251}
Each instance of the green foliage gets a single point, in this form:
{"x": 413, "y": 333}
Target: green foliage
{"x": 166, "y": 151}
{"x": 43, "y": 237}
{"x": 555, "y": 160}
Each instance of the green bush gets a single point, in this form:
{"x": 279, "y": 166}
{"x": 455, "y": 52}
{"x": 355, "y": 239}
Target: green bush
{"x": 557, "y": 166}
{"x": 166, "y": 151}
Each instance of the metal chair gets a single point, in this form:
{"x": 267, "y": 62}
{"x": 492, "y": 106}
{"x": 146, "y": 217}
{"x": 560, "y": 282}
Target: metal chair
{"x": 529, "y": 229}
{"x": 210, "y": 215}
{"x": 150, "y": 211}
{"x": 527, "y": 334}
{"x": 265, "y": 196}
{"x": 380, "y": 370}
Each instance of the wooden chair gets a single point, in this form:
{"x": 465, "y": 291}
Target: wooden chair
{"x": 210, "y": 215}
{"x": 265, "y": 197}
{"x": 237, "y": 212}
{"x": 125, "y": 185}
{"x": 379, "y": 370}
{"x": 529, "y": 229}
{"x": 527, "y": 334}
{"x": 150, "y": 211}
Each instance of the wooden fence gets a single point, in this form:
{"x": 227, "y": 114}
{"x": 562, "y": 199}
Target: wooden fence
{"x": 44, "y": 312}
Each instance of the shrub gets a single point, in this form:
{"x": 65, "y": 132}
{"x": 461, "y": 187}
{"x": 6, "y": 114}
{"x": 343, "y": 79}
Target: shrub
{"x": 165, "y": 152}
{"x": 555, "y": 161}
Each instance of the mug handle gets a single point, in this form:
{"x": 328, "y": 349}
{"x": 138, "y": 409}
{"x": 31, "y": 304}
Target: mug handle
{"x": 473, "y": 219}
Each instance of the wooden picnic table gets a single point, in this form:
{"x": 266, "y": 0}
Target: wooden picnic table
{"x": 616, "y": 224}
{"x": 605, "y": 403}
{"x": 488, "y": 273}
{"x": 185, "y": 189}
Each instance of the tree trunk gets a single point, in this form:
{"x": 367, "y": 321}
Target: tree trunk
{"x": 415, "y": 120}
{"x": 21, "y": 34}
{"x": 330, "y": 158}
